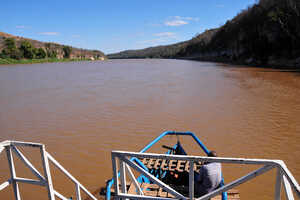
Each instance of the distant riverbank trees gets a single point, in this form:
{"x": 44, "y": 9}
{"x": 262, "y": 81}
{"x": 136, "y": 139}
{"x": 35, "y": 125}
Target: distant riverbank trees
{"x": 27, "y": 51}
{"x": 11, "y": 50}
{"x": 67, "y": 51}
{"x": 20, "y": 50}
{"x": 266, "y": 33}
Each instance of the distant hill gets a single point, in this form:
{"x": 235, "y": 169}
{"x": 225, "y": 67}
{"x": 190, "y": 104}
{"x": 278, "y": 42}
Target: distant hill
{"x": 152, "y": 52}
{"x": 56, "y": 50}
{"x": 267, "y": 33}
{"x": 167, "y": 51}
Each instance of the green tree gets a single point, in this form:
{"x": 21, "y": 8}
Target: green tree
{"x": 35, "y": 52}
{"x": 4, "y": 54}
{"x": 27, "y": 49}
{"x": 10, "y": 43}
{"x": 10, "y": 50}
{"x": 40, "y": 53}
{"x": 67, "y": 51}
{"x": 51, "y": 53}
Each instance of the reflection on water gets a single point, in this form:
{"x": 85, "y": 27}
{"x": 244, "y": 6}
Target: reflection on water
{"x": 83, "y": 110}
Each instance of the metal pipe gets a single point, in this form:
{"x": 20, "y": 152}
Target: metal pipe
{"x": 148, "y": 146}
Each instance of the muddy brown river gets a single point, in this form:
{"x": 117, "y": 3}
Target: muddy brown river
{"x": 82, "y": 111}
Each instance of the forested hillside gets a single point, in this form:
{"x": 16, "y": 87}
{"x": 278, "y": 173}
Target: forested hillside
{"x": 168, "y": 51}
{"x": 266, "y": 33}
{"x": 19, "y": 48}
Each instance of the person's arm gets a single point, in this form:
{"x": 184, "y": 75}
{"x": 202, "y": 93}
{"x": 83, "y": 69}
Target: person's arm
{"x": 200, "y": 175}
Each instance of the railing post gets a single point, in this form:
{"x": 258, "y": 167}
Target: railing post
{"x": 191, "y": 180}
{"x": 123, "y": 176}
{"x": 151, "y": 177}
{"x": 136, "y": 184}
{"x": 12, "y": 172}
{"x": 1, "y": 148}
{"x": 278, "y": 184}
{"x": 115, "y": 170}
{"x": 288, "y": 189}
{"x": 47, "y": 173}
{"x": 27, "y": 163}
{"x": 78, "y": 196}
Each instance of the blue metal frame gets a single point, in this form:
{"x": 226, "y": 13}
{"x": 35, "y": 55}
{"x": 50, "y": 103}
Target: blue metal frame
{"x": 203, "y": 147}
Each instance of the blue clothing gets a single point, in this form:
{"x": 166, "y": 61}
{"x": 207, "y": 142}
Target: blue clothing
{"x": 208, "y": 178}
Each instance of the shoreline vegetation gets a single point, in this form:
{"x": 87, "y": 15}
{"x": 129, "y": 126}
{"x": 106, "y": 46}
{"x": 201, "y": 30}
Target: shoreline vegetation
{"x": 264, "y": 34}
{"x": 19, "y": 50}
{"x": 10, "y": 61}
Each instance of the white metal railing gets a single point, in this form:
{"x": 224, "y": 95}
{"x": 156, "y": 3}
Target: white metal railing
{"x": 121, "y": 163}
{"x": 42, "y": 180}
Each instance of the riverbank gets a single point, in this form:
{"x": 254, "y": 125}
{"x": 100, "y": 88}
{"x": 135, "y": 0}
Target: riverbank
{"x": 10, "y": 61}
{"x": 271, "y": 63}
{"x": 265, "y": 34}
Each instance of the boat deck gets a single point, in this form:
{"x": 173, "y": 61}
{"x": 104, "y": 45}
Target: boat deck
{"x": 125, "y": 162}
{"x": 154, "y": 190}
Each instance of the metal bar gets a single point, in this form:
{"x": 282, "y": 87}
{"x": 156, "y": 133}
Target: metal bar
{"x": 191, "y": 180}
{"x": 28, "y": 164}
{"x": 198, "y": 158}
{"x": 139, "y": 163}
{"x": 154, "y": 142}
{"x": 224, "y": 194}
{"x": 78, "y": 196}
{"x": 1, "y": 148}
{"x": 123, "y": 177}
{"x": 290, "y": 177}
{"x": 277, "y": 163}
{"x": 237, "y": 182}
{"x": 278, "y": 184}
{"x": 154, "y": 179}
{"x": 136, "y": 184}
{"x": 62, "y": 169}
{"x": 288, "y": 189}
{"x": 30, "y": 181}
{"x": 5, "y": 143}
{"x": 175, "y": 133}
{"x": 60, "y": 196}
{"x": 13, "y": 172}
{"x": 115, "y": 174}
{"x": 148, "y": 146}
{"x": 47, "y": 173}
{"x": 111, "y": 182}
{"x": 5, "y": 184}
{"x": 132, "y": 196}
{"x": 30, "y": 144}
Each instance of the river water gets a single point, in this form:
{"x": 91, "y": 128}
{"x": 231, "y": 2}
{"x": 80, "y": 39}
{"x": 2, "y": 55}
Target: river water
{"x": 82, "y": 111}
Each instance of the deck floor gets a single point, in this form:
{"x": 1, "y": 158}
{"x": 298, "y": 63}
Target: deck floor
{"x": 156, "y": 191}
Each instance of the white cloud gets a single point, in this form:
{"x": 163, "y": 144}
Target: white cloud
{"x": 187, "y": 18}
{"x": 49, "y": 33}
{"x": 220, "y": 5}
{"x": 180, "y": 21}
{"x": 176, "y": 22}
{"x": 165, "y": 34}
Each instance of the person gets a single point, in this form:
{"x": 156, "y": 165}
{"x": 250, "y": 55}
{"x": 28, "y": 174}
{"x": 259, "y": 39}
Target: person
{"x": 209, "y": 177}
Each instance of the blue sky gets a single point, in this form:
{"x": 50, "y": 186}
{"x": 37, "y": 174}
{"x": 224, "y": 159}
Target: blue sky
{"x": 115, "y": 25}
